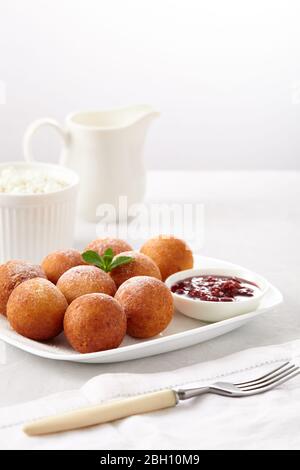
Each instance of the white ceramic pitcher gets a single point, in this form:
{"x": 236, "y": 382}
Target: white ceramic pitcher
{"x": 105, "y": 148}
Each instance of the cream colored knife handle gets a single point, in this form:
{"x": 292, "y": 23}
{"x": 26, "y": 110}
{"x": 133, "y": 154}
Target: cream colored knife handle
{"x": 102, "y": 413}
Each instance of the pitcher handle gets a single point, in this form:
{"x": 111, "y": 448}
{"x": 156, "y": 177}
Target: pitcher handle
{"x": 31, "y": 130}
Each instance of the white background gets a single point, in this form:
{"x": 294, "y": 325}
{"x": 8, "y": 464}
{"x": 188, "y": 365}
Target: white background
{"x": 224, "y": 74}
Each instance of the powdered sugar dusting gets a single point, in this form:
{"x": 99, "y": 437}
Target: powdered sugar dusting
{"x": 140, "y": 262}
{"x": 141, "y": 282}
{"x": 82, "y": 280}
{"x": 141, "y": 265}
{"x": 90, "y": 272}
{"x": 17, "y": 267}
{"x": 38, "y": 288}
{"x": 101, "y": 244}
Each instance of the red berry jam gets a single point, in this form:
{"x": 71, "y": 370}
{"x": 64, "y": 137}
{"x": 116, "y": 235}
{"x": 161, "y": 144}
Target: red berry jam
{"x": 215, "y": 288}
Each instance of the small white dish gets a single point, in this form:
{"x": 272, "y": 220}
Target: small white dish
{"x": 181, "y": 333}
{"x": 209, "y": 311}
{"x": 33, "y": 225}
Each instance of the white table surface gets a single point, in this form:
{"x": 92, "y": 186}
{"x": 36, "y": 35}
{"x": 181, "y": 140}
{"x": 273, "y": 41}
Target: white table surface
{"x": 251, "y": 218}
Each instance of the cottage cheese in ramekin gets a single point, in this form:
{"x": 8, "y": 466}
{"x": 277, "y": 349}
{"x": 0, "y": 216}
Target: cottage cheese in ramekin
{"x": 15, "y": 180}
{"x": 37, "y": 209}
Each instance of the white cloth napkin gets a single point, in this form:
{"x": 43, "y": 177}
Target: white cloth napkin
{"x": 266, "y": 421}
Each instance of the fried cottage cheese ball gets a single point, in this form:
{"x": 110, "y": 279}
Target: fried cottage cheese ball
{"x": 95, "y": 322}
{"x": 102, "y": 244}
{"x": 36, "y": 309}
{"x": 148, "y": 304}
{"x": 141, "y": 265}
{"x": 169, "y": 253}
{"x": 14, "y": 273}
{"x": 82, "y": 280}
{"x": 58, "y": 262}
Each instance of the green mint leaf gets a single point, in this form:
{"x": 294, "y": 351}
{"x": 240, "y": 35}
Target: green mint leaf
{"x": 107, "y": 258}
{"x": 107, "y": 261}
{"x": 91, "y": 257}
{"x": 109, "y": 252}
{"x": 119, "y": 261}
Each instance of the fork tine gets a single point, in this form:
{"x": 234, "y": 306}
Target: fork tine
{"x": 271, "y": 375}
{"x": 270, "y": 381}
{"x": 274, "y": 384}
{"x": 259, "y": 379}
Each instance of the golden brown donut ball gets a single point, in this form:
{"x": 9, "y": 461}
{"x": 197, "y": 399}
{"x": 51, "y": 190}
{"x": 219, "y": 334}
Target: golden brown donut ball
{"x": 169, "y": 253}
{"x": 14, "y": 273}
{"x": 83, "y": 280}
{"x": 102, "y": 244}
{"x": 58, "y": 262}
{"x": 36, "y": 309}
{"x": 148, "y": 304}
{"x": 141, "y": 265}
{"x": 95, "y": 322}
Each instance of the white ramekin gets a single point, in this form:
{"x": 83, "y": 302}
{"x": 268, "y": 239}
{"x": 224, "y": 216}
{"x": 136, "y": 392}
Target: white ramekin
{"x": 216, "y": 311}
{"x": 33, "y": 225}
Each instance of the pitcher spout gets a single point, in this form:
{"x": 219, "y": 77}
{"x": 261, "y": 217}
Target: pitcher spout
{"x": 141, "y": 113}
{"x": 111, "y": 120}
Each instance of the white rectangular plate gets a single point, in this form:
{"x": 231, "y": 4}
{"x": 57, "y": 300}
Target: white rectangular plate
{"x": 181, "y": 333}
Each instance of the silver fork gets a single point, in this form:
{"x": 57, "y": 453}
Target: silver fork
{"x": 262, "y": 384}
{"x": 117, "y": 409}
